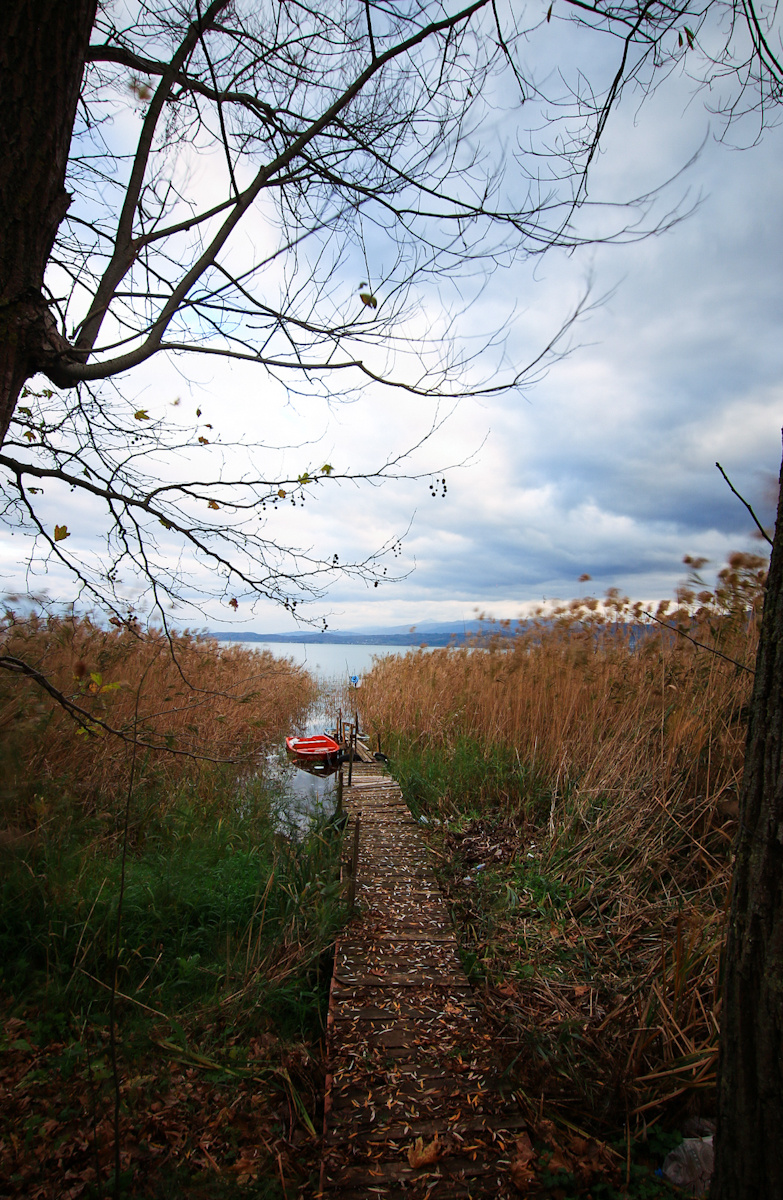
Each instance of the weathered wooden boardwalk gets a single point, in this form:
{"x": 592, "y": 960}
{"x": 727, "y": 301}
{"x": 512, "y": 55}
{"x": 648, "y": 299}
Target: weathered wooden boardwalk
{"x": 415, "y": 1105}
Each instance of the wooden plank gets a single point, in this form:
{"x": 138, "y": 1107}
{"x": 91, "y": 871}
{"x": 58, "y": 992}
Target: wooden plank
{"x": 373, "y": 1131}
{"x": 409, "y": 1054}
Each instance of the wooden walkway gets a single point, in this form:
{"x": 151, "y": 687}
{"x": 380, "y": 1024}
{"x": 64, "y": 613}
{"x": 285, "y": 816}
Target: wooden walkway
{"x": 414, "y": 1101}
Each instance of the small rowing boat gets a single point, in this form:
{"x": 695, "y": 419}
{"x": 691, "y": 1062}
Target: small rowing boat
{"x": 314, "y": 753}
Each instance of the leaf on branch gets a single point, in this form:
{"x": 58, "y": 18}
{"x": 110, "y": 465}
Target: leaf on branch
{"x": 166, "y": 524}
{"x": 204, "y": 441}
{"x": 90, "y": 729}
{"x": 305, "y": 477}
{"x": 233, "y": 603}
{"x": 28, "y": 412}
{"x": 368, "y": 299}
{"x": 213, "y": 504}
{"x": 28, "y": 433}
{"x": 100, "y": 689}
{"x": 549, "y": 13}
{"x": 281, "y": 493}
{"x": 35, "y": 491}
{"x": 141, "y": 414}
{"x": 679, "y": 39}
{"x": 689, "y": 36}
{"x": 139, "y": 88}
{"x": 61, "y": 533}
{"x": 327, "y": 469}
{"x": 198, "y": 412}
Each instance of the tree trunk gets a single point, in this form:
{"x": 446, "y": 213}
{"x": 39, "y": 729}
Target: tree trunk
{"x": 749, "y": 1140}
{"x": 42, "y": 54}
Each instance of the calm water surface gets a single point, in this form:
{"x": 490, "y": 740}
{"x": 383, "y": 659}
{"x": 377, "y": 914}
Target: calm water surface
{"x": 304, "y": 796}
{"x": 333, "y": 664}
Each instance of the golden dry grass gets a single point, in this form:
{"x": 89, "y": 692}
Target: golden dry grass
{"x": 600, "y": 913}
{"x": 195, "y": 697}
{"x": 214, "y": 927}
{"x": 584, "y": 699}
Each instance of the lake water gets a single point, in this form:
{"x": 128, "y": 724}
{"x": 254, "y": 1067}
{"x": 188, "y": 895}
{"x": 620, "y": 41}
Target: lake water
{"x": 303, "y": 796}
{"x": 327, "y": 661}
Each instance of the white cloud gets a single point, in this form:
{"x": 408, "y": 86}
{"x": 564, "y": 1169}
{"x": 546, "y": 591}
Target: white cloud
{"x": 605, "y": 467}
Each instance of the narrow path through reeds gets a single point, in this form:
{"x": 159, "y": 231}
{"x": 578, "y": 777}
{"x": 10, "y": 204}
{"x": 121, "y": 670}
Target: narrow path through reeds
{"x": 415, "y": 1096}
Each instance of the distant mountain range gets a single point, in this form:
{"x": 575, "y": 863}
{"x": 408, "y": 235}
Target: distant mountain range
{"x": 433, "y": 633}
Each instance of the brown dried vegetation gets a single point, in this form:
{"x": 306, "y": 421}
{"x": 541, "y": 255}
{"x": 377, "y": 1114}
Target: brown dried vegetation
{"x": 586, "y": 772}
{"x": 224, "y": 925}
{"x": 196, "y": 698}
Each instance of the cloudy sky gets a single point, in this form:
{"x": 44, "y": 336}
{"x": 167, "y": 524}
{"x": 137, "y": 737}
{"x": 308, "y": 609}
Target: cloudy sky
{"x": 605, "y": 467}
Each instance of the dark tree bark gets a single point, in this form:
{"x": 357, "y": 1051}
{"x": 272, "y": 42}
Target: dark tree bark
{"x": 749, "y": 1141}
{"x": 42, "y": 55}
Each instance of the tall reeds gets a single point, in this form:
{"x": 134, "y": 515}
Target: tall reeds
{"x": 595, "y": 695}
{"x": 156, "y": 921}
{"x": 200, "y": 703}
{"x": 612, "y": 744}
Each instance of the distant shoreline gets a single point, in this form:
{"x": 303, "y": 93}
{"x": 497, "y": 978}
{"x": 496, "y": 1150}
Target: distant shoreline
{"x": 354, "y": 639}
{"x": 411, "y": 639}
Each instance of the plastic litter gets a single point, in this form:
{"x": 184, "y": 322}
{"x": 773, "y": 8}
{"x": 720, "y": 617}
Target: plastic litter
{"x": 690, "y": 1166}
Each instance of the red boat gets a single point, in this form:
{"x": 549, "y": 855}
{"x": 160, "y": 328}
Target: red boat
{"x": 318, "y": 753}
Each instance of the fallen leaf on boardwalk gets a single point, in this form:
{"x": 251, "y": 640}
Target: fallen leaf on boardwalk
{"x": 522, "y": 1174}
{"x": 522, "y": 1177}
{"x": 420, "y": 1155}
{"x": 524, "y": 1149}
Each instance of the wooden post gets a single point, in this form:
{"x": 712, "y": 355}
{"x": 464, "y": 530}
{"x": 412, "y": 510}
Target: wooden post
{"x": 354, "y": 863}
{"x": 356, "y": 722}
{"x": 350, "y": 763}
{"x": 339, "y": 790}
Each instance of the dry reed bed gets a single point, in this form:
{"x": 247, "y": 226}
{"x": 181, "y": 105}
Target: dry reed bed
{"x": 219, "y": 954}
{"x": 185, "y": 694}
{"x": 632, "y": 742}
